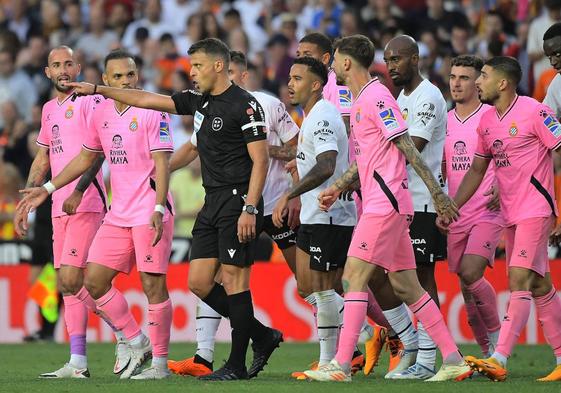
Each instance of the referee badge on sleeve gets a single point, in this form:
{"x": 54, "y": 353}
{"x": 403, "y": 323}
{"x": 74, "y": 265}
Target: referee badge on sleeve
{"x": 198, "y": 121}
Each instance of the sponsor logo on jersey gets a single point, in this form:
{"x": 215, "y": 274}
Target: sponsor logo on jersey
{"x": 345, "y": 98}
{"x": 164, "y": 132}
{"x": 552, "y": 125}
{"x": 389, "y": 119}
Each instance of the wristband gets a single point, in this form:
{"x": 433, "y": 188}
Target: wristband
{"x": 95, "y": 88}
{"x": 50, "y": 187}
{"x": 160, "y": 209}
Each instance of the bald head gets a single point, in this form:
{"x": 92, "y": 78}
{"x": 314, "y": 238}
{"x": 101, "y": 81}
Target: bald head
{"x": 403, "y": 44}
{"x": 402, "y": 59}
{"x": 62, "y": 67}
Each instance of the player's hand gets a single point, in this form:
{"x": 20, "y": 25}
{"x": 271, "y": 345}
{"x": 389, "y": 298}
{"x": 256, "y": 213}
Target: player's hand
{"x": 294, "y": 207}
{"x": 493, "y": 203}
{"x": 280, "y": 211}
{"x": 290, "y": 166}
{"x": 157, "y": 226}
{"x": 555, "y": 236}
{"x": 446, "y": 207}
{"x": 71, "y": 203}
{"x": 246, "y": 227}
{"x": 32, "y": 198}
{"x": 443, "y": 225}
{"x": 81, "y": 88}
{"x": 20, "y": 223}
{"x": 327, "y": 197}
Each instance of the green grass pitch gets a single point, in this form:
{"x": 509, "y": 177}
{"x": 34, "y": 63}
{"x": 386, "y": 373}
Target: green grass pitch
{"x": 20, "y": 365}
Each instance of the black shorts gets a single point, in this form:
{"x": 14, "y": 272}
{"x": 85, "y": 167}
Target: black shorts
{"x": 215, "y": 232}
{"x": 428, "y": 243}
{"x": 326, "y": 244}
{"x": 42, "y": 245}
{"x": 284, "y": 237}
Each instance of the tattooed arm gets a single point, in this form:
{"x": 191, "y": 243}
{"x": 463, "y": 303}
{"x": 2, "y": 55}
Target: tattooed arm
{"x": 71, "y": 203}
{"x": 285, "y": 152}
{"x": 443, "y": 204}
{"x": 39, "y": 168}
{"x": 323, "y": 170}
{"x": 327, "y": 197}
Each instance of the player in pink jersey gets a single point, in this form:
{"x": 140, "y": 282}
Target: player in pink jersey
{"x": 472, "y": 239}
{"x": 518, "y": 134}
{"x": 319, "y": 46}
{"x": 77, "y": 207}
{"x": 381, "y": 241}
{"x": 139, "y": 227}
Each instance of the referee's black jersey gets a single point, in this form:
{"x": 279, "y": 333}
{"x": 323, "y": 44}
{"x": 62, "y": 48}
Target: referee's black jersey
{"x": 223, "y": 125}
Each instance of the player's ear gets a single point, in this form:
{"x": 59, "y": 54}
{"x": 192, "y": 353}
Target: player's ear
{"x": 105, "y": 79}
{"x": 79, "y": 68}
{"x": 48, "y": 72}
{"x": 245, "y": 75}
{"x": 415, "y": 59}
{"x": 219, "y": 65}
{"x": 326, "y": 58}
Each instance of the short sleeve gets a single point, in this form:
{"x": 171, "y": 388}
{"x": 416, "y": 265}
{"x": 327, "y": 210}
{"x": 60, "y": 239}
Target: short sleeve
{"x": 187, "y": 101}
{"x": 547, "y": 127}
{"x": 324, "y": 135}
{"x": 194, "y": 139}
{"x": 251, "y": 118}
{"x": 91, "y": 140}
{"x": 159, "y": 133}
{"x": 285, "y": 126}
{"x": 553, "y": 97}
{"x": 425, "y": 120}
{"x": 482, "y": 151}
{"x": 388, "y": 117}
{"x": 44, "y": 137}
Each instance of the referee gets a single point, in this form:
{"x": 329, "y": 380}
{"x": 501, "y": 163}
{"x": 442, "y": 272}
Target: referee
{"x": 229, "y": 137}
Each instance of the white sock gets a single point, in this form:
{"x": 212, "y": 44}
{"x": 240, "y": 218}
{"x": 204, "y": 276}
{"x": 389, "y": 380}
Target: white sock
{"x": 206, "y": 325}
{"x": 366, "y": 332}
{"x": 139, "y": 341}
{"x": 160, "y": 362}
{"x": 501, "y": 358}
{"x": 327, "y": 324}
{"x": 78, "y": 361}
{"x": 493, "y": 340}
{"x": 427, "y": 348}
{"x": 119, "y": 335}
{"x": 403, "y": 326}
{"x": 311, "y": 300}
{"x": 340, "y": 307}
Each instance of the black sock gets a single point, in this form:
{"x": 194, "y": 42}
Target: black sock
{"x": 218, "y": 300}
{"x": 241, "y": 317}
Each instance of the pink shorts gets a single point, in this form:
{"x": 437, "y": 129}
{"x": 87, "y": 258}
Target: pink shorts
{"x": 481, "y": 240}
{"x": 526, "y": 244}
{"x": 118, "y": 248}
{"x": 384, "y": 241}
{"x": 72, "y": 237}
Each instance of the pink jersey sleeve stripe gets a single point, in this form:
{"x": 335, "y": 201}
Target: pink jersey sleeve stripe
{"x": 42, "y": 144}
{"x": 392, "y": 137}
{"x": 485, "y": 156}
{"x": 162, "y": 149}
{"x": 94, "y": 150}
{"x": 556, "y": 146}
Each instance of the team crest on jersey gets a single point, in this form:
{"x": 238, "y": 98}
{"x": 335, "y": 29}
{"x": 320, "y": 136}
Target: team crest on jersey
{"x": 69, "y": 112}
{"x": 164, "y": 132}
{"x": 405, "y": 114}
{"x": 513, "y": 130}
{"x": 345, "y": 98}
{"x": 389, "y": 119}
{"x": 133, "y": 126}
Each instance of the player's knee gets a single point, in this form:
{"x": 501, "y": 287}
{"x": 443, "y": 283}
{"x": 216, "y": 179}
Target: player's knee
{"x": 69, "y": 284}
{"x": 519, "y": 281}
{"x": 303, "y": 290}
{"x": 541, "y": 287}
{"x": 94, "y": 287}
{"x": 199, "y": 288}
{"x": 468, "y": 277}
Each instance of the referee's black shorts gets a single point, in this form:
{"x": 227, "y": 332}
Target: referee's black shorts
{"x": 215, "y": 233}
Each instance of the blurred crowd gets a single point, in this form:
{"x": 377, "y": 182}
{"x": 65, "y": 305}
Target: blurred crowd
{"x": 159, "y": 33}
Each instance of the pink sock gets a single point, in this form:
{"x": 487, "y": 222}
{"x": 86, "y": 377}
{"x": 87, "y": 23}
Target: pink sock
{"x": 477, "y": 326}
{"x": 76, "y": 318}
{"x": 514, "y": 321}
{"x": 427, "y": 312}
{"x": 374, "y": 311}
{"x": 88, "y": 300}
{"x": 353, "y": 318}
{"x": 115, "y": 307}
{"x": 549, "y": 314}
{"x": 159, "y": 325}
{"x": 485, "y": 299}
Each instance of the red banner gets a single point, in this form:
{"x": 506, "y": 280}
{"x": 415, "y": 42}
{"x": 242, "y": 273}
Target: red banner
{"x": 275, "y": 297}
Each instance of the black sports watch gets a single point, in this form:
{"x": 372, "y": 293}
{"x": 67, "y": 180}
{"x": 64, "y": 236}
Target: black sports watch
{"x": 250, "y": 209}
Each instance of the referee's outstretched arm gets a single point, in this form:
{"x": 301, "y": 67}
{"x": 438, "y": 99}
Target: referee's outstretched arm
{"x": 138, "y": 98}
